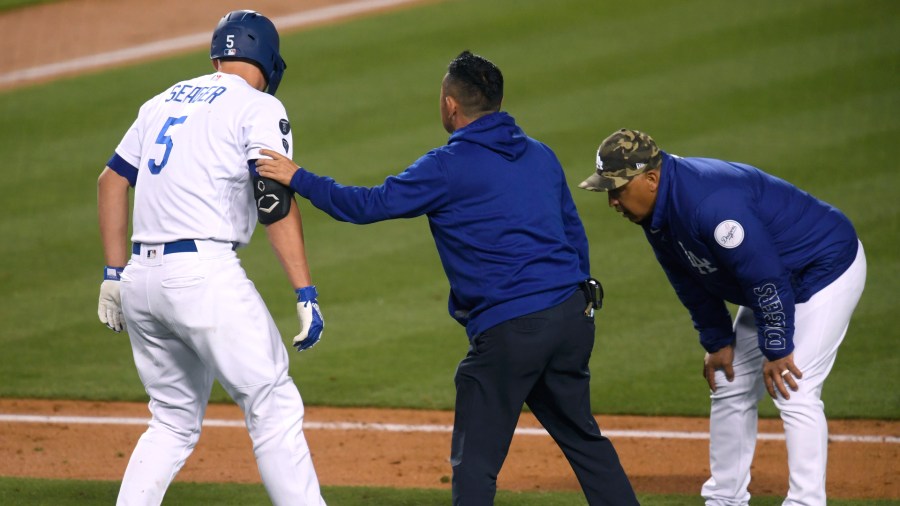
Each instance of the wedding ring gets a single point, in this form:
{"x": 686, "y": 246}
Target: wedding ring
{"x": 785, "y": 372}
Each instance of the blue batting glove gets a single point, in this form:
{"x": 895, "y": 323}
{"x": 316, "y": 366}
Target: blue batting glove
{"x": 310, "y": 316}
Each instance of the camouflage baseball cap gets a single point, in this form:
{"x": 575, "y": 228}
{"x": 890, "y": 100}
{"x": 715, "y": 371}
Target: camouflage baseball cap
{"x": 620, "y": 157}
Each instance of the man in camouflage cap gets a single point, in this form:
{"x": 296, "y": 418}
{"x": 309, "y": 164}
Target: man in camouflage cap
{"x": 622, "y": 156}
{"x": 729, "y": 232}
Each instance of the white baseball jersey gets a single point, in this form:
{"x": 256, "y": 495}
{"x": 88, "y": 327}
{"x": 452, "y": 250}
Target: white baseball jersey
{"x": 191, "y": 145}
{"x": 193, "y": 317}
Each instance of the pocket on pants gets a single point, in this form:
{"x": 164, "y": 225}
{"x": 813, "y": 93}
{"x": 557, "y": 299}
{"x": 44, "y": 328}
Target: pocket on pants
{"x": 182, "y": 281}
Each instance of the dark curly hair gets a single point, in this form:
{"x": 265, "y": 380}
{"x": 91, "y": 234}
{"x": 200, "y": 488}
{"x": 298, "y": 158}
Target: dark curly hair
{"x": 475, "y": 83}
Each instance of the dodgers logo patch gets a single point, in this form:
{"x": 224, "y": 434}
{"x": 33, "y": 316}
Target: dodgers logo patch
{"x": 285, "y": 126}
{"x": 729, "y": 234}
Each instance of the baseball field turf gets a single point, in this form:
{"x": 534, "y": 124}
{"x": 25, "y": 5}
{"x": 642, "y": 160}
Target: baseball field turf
{"x": 807, "y": 90}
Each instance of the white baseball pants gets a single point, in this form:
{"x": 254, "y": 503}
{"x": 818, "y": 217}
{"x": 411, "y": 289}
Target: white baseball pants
{"x": 820, "y": 326}
{"x": 193, "y": 318}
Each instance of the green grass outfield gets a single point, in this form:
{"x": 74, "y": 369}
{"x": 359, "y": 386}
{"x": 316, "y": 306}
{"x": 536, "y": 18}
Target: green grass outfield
{"x": 807, "y": 90}
{"x": 80, "y": 493}
{"x": 7, "y": 5}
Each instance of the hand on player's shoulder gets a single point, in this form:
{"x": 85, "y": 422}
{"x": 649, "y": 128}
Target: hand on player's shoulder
{"x": 274, "y": 155}
{"x": 277, "y": 167}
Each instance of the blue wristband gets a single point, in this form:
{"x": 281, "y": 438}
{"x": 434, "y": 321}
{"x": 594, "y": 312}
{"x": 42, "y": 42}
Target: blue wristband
{"x": 307, "y": 293}
{"x": 112, "y": 273}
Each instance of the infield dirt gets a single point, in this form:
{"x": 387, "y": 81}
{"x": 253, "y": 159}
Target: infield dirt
{"x": 420, "y": 459}
{"x": 356, "y": 457}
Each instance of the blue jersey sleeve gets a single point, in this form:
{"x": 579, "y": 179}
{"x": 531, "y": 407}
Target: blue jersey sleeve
{"x": 727, "y": 223}
{"x": 123, "y": 168}
{"x": 419, "y": 189}
{"x": 708, "y": 313}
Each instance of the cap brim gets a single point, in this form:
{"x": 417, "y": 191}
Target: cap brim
{"x": 592, "y": 183}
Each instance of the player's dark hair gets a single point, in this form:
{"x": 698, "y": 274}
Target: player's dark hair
{"x": 475, "y": 83}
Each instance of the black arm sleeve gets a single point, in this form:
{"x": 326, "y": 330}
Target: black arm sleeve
{"x": 273, "y": 199}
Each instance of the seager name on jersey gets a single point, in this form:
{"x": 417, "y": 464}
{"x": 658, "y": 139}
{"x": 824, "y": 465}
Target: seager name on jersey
{"x": 193, "y": 94}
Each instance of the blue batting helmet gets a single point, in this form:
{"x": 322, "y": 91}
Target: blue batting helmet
{"x": 248, "y": 35}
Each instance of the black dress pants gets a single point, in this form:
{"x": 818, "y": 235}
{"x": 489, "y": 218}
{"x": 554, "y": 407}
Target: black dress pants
{"x": 541, "y": 360}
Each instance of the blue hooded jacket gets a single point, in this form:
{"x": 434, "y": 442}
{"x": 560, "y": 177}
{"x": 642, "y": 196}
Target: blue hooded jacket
{"x": 726, "y": 231}
{"x": 503, "y": 220}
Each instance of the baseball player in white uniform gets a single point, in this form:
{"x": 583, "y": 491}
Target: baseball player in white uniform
{"x": 191, "y": 313}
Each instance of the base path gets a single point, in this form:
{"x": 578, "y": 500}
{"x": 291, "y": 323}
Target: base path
{"x": 410, "y": 448}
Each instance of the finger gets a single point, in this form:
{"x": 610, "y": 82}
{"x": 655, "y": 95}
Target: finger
{"x": 304, "y": 333}
{"x": 770, "y": 386}
{"x": 789, "y": 380}
{"x": 779, "y": 383}
{"x": 729, "y": 373}
{"x": 791, "y": 383}
{"x": 265, "y": 166}
{"x": 101, "y": 312}
{"x": 710, "y": 374}
{"x": 115, "y": 320}
{"x": 267, "y": 171}
{"x": 272, "y": 154}
{"x": 308, "y": 343}
{"x": 795, "y": 371}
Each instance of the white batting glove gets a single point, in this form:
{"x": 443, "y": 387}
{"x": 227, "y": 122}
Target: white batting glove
{"x": 110, "y": 307}
{"x": 311, "y": 321}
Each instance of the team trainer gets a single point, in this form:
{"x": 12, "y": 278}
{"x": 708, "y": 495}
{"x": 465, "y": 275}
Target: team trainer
{"x": 726, "y": 231}
{"x": 516, "y": 255}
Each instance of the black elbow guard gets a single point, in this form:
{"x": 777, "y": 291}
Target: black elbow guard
{"x": 273, "y": 200}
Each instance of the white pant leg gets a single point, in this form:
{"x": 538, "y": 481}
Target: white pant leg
{"x": 178, "y": 384}
{"x": 820, "y": 326}
{"x": 214, "y": 314}
{"x": 733, "y": 419}
{"x": 239, "y": 341}
{"x": 274, "y": 417}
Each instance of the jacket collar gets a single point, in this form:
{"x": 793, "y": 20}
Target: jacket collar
{"x": 660, "y": 217}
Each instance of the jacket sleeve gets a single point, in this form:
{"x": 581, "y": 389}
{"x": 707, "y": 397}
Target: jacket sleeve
{"x": 739, "y": 241}
{"x": 708, "y": 312}
{"x": 419, "y": 189}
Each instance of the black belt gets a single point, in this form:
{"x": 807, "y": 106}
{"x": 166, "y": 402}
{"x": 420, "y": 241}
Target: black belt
{"x": 182, "y": 246}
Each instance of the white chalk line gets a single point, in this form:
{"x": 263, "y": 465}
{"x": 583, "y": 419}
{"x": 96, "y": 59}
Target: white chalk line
{"x": 396, "y": 427}
{"x": 196, "y": 40}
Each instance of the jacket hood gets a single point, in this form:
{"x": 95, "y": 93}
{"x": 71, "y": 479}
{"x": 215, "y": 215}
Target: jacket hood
{"x": 497, "y": 132}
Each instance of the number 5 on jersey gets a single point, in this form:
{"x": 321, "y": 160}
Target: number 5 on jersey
{"x": 165, "y": 140}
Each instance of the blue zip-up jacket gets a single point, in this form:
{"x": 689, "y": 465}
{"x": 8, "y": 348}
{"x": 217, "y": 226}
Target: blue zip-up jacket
{"x": 503, "y": 220}
{"x": 726, "y": 231}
